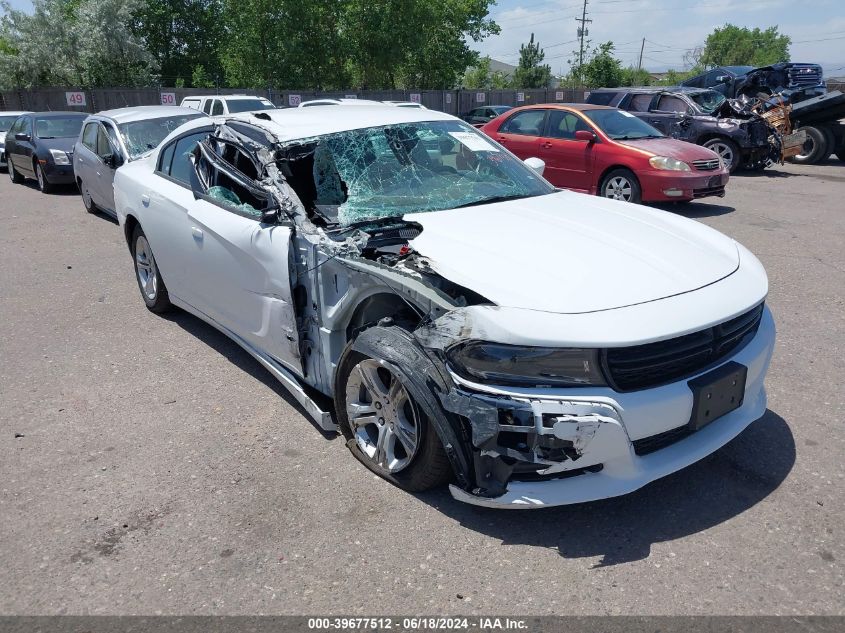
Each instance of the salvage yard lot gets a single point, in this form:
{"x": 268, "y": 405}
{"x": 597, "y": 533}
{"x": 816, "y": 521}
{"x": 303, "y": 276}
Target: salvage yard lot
{"x": 148, "y": 465}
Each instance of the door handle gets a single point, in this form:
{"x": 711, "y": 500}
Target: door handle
{"x": 546, "y": 145}
{"x": 196, "y": 232}
{"x": 145, "y": 200}
{"x": 501, "y": 139}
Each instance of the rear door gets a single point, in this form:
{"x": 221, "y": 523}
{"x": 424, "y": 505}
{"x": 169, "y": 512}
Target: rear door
{"x": 86, "y": 162}
{"x": 667, "y": 112}
{"x": 522, "y": 132}
{"x": 569, "y": 162}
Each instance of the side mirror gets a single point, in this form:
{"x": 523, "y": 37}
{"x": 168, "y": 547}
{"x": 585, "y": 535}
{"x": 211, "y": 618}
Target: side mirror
{"x": 22, "y": 136}
{"x": 585, "y": 135}
{"x": 724, "y": 79}
{"x": 112, "y": 161}
{"x": 536, "y": 164}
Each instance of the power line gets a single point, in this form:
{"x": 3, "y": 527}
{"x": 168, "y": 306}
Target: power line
{"x": 582, "y": 31}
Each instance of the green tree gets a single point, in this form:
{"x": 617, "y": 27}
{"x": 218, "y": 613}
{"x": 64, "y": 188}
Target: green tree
{"x": 739, "y": 46}
{"x": 200, "y": 78}
{"x": 73, "y": 43}
{"x": 531, "y": 71}
{"x": 603, "y": 69}
{"x": 635, "y": 76}
{"x": 182, "y": 34}
{"x": 478, "y": 77}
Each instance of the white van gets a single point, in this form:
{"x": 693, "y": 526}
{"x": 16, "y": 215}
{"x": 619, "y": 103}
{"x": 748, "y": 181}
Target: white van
{"x": 216, "y": 105}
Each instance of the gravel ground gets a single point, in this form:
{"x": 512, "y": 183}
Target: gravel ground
{"x": 148, "y": 465}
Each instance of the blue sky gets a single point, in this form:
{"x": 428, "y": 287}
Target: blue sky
{"x": 817, "y": 28}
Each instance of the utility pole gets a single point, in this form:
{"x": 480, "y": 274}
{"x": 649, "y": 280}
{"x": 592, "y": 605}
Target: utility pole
{"x": 640, "y": 62}
{"x": 582, "y": 32}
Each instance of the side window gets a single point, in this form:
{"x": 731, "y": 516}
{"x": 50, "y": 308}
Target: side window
{"x": 206, "y": 107}
{"x": 175, "y": 158}
{"x": 640, "y": 103}
{"x": 89, "y": 136}
{"x": 601, "y": 98}
{"x": 26, "y": 126}
{"x": 668, "y": 103}
{"x": 710, "y": 78}
{"x": 17, "y": 127}
{"x": 217, "y": 108}
{"x": 103, "y": 147}
{"x": 564, "y": 124}
{"x": 528, "y": 122}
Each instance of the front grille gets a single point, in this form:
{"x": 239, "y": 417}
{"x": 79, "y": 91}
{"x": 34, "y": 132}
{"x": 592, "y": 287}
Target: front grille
{"x": 805, "y": 75}
{"x": 706, "y": 165}
{"x": 652, "y": 364}
{"x": 709, "y": 191}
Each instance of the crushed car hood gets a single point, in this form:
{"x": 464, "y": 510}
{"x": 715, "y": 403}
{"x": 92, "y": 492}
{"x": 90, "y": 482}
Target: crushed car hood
{"x": 572, "y": 253}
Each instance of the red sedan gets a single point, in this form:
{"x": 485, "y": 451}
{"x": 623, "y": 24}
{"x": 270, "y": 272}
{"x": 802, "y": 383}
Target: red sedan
{"x": 609, "y": 152}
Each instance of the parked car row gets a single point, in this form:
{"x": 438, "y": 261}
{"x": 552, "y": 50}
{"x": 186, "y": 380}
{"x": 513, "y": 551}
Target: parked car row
{"x": 469, "y": 322}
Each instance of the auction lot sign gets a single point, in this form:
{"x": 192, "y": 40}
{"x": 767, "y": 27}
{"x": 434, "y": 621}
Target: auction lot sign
{"x": 75, "y": 98}
{"x": 168, "y": 98}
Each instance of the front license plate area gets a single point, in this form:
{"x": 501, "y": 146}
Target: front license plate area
{"x": 717, "y": 393}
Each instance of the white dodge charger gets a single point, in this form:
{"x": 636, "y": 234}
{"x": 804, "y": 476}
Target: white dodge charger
{"x": 422, "y": 291}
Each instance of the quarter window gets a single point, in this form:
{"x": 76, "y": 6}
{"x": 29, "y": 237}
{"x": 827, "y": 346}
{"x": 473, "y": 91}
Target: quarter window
{"x": 217, "y": 108}
{"x": 668, "y": 103}
{"x": 528, "y": 123}
{"x": 103, "y": 147}
{"x": 640, "y": 103}
{"x": 175, "y": 158}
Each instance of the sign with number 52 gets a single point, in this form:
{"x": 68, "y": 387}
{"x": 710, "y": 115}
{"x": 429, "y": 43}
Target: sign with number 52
{"x": 75, "y": 98}
{"x": 168, "y": 98}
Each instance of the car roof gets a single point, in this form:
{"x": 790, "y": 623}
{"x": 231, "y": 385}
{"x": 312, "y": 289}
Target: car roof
{"x": 226, "y": 97}
{"x": 299, "y": 123}
{"x": 567, "y": 106}
{"x": 13, "y": 112}
{"x": 324, "y": 102}
{"x": 654, "y": 89}
{"x": 143, "y": 113}
{"x": 57, "y": 113}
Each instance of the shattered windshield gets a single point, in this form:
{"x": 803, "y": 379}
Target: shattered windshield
{"x": 708, "y": 101}
{"x": 248, "y": 105}
{"x": 388, "y": 171}
{"x": 620, "y": 125}
{"x": 142, "y": 136}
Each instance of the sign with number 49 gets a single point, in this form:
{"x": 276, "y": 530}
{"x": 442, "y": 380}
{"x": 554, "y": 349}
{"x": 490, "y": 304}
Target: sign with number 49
{"x": 75, "y": 98}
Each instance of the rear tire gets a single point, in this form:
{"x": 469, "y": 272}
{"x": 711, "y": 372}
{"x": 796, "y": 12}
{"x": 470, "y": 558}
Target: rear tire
{"x": 814, "y": 147}
{"x": 385, "y": 429}
{"x": 727, "y": 150}
{"x": 87, "y": 201}
{"x": 150, "y": 282}
{"x": 14, "y": 176}
{"x": 621, "y": 184}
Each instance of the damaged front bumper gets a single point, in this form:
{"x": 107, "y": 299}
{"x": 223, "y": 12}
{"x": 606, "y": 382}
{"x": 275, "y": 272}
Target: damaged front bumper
{"x": 597, "y": 445}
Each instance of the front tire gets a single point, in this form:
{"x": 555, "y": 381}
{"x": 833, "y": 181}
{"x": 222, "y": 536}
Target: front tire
{"x": 727, "y": 150}
{"x": 150, "y": 283}
{"x": 14, "y": 176}
{"x": 385, "y": 428}
{"x": 621, "y": 184}
{"x": 44, "y": 185}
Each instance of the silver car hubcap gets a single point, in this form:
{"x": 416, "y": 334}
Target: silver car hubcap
{"x": 618, "y": 188}
{"x": 40, "y": 176}
{"x": 86, "y": 198}
{"x": 383, "y": 418}
{"x": 724, "y": 152}
{"x": 145, "y": 265}
{"x": 11, "y": 169}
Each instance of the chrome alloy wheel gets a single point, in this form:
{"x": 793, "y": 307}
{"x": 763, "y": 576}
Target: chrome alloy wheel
{"x": 618, "y": 188}
{"x": 39, "y": 174}
{"x": 724, "y": 151}
{"x": 383, "y": 418}
{"x": 145, "y": 266}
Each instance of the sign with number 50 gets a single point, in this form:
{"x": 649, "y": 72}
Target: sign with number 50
{"x": 75, "y": 98}
{"x": 168, "y": 98}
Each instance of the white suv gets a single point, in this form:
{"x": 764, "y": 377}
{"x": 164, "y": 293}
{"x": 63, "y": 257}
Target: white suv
{"x": 218, "y": 105}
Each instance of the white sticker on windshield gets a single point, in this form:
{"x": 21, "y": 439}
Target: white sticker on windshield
{"x": 473, "y": 141}
{"x": 622, "y": 112}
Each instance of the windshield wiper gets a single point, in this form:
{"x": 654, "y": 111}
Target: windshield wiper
{"x": 494, "y": 199}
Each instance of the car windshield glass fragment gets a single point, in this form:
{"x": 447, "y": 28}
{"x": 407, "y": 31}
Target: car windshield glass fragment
{"x": 248, "y": 105}
{"x": 58, "y": 127}
{"x": 709, "y": 101}
{"x": 142, "y": 136}
{"x": 621, "y": 126}
{"x": 388, "y": 171}
{"x": 6, "y": 122}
